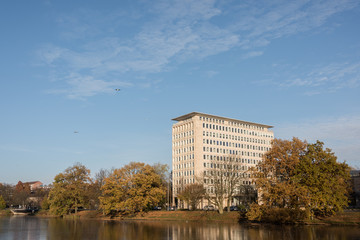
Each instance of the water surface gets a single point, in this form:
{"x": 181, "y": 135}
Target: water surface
{"x": 34, "y": 228}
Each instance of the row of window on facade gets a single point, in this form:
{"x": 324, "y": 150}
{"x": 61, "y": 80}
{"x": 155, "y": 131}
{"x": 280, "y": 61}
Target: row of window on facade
{"x": 184, "y": 150}
{"x": 183, "y": 135}
{"x": 234, "y": 145}
{"x": 184, "y": 157}
{"x": 235, "y": 130}
{"x": 184, "y": 173}
{"x": 234, "y": 160}
{"x": 184, "y": 165}
{"x": 231, "y": 137}
{"x": 237, "y": 124}
{"x": 183, "y": 143}
{"x": 233, "y": 152}
{"x": 236, "y": 138}
{"x": 223, "y": 166}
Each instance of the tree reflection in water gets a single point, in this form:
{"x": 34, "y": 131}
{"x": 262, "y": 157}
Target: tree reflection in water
{"x": 58, "y": 229}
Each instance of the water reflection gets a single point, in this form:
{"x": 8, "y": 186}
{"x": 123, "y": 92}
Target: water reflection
{"x": 33, "y": 228}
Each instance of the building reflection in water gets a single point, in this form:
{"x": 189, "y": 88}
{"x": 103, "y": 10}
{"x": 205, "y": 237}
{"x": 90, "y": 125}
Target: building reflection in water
{"x": 33, "y": 228}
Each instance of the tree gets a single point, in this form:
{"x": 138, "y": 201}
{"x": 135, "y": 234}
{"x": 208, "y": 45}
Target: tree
{"x": 295, "y": 175}
{"x": 326, "y": 180}
{"x": 21, "y": 193}
{"x": 192, "y": 194}
{"x": 233, "y": 178}
{"x": 40, "y": 195}
{"x": 223, "y": 182}
{"x": 163, "y": 171}
{"x": 2, "y": 203}
{"x": 135, "y": 187}
{"x": 94, "y": 191}
{"x": 69, "y": 190}
{"x": 274, "y": 175}
{"x": 7, "y": 192}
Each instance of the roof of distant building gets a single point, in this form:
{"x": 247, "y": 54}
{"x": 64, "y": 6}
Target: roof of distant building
{"x": 190, "y": 115}
{"x": 32, "y": 182}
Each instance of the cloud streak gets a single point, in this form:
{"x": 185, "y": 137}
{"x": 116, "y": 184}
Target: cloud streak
{"x": 329, "y": 78}
{"x": 174, "y": 32}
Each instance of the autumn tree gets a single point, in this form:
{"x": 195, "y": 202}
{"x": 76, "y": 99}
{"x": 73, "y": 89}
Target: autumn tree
{"x": 192, "y": 194}
{"x": 274, "y": 176}
{"x": 292, "y": 176}
{"x": 135, "y": 187}
{"x": 21, "y": 193}
{"x": 69, "y": 190}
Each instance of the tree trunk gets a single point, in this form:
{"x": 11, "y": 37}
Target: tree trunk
{"x": 228, "y": 204}
{"x": 221, "y": 210}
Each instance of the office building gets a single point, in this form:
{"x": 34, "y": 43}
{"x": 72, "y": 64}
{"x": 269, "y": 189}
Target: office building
{"x": 203, "y": 142}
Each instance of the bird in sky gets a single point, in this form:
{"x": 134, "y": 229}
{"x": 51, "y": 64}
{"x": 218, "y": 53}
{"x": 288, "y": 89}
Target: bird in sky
{"x": 76, "y": 132}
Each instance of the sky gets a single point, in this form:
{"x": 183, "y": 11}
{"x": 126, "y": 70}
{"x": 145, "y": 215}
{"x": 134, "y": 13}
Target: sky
{"x": 294, "y": 65}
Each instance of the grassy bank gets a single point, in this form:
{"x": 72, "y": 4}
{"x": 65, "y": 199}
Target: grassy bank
{"x": 188, "y": 216}
{"x": 5, "y": 212}
{"x": 343, "y": 218}
{"x": 231, "y": 217}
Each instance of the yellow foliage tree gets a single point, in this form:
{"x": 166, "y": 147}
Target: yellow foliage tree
{"x": 69, "y": 190}
{"x": 135, "y": 187}
{"x": 295, "y": 175}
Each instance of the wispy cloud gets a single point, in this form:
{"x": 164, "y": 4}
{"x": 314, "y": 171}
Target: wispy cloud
{"x": 263, "y": 21}
{"x": 253, "y": 54}
{"x": 340, "y": 134}
{"x": 81, "y": 87}
{"x": 172, "y": 32}
{"x": 328, "y": 78}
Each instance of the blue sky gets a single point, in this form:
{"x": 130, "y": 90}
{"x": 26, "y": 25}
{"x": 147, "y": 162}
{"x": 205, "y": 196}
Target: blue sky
{"x": 291, "y": 64}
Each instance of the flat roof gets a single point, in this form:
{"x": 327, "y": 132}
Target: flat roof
{"x": 190, "y": 115}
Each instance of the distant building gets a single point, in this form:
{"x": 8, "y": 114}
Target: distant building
{"x": 34, "y": 185}
{"x": 202, "y": 142}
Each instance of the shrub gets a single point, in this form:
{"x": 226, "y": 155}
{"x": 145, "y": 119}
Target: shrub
{"x": 255, "y": 212}
{"x": 2, "y": 203}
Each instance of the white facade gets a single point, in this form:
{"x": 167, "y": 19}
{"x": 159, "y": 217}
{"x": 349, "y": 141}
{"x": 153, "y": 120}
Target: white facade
{"x": 201, "y": 142}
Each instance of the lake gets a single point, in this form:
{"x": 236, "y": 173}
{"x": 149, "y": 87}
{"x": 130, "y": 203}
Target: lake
{"x": 34, "y": 228}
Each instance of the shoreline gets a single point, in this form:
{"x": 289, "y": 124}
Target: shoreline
{"x": 346, "y": 218}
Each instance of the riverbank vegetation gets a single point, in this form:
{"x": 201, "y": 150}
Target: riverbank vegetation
{"x": 347, "y": 217}
{"x": 295, "y": 182}
{"x": 136, "y": 187}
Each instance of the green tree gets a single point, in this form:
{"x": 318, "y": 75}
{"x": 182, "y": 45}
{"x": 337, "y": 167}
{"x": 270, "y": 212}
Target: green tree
{"x": 2, "y": 203}
{"x": 69, "y": 190}
{"x": 135, "y": 187}
{"x": 192, "y": 194}
{"x": 326, "y": 180}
